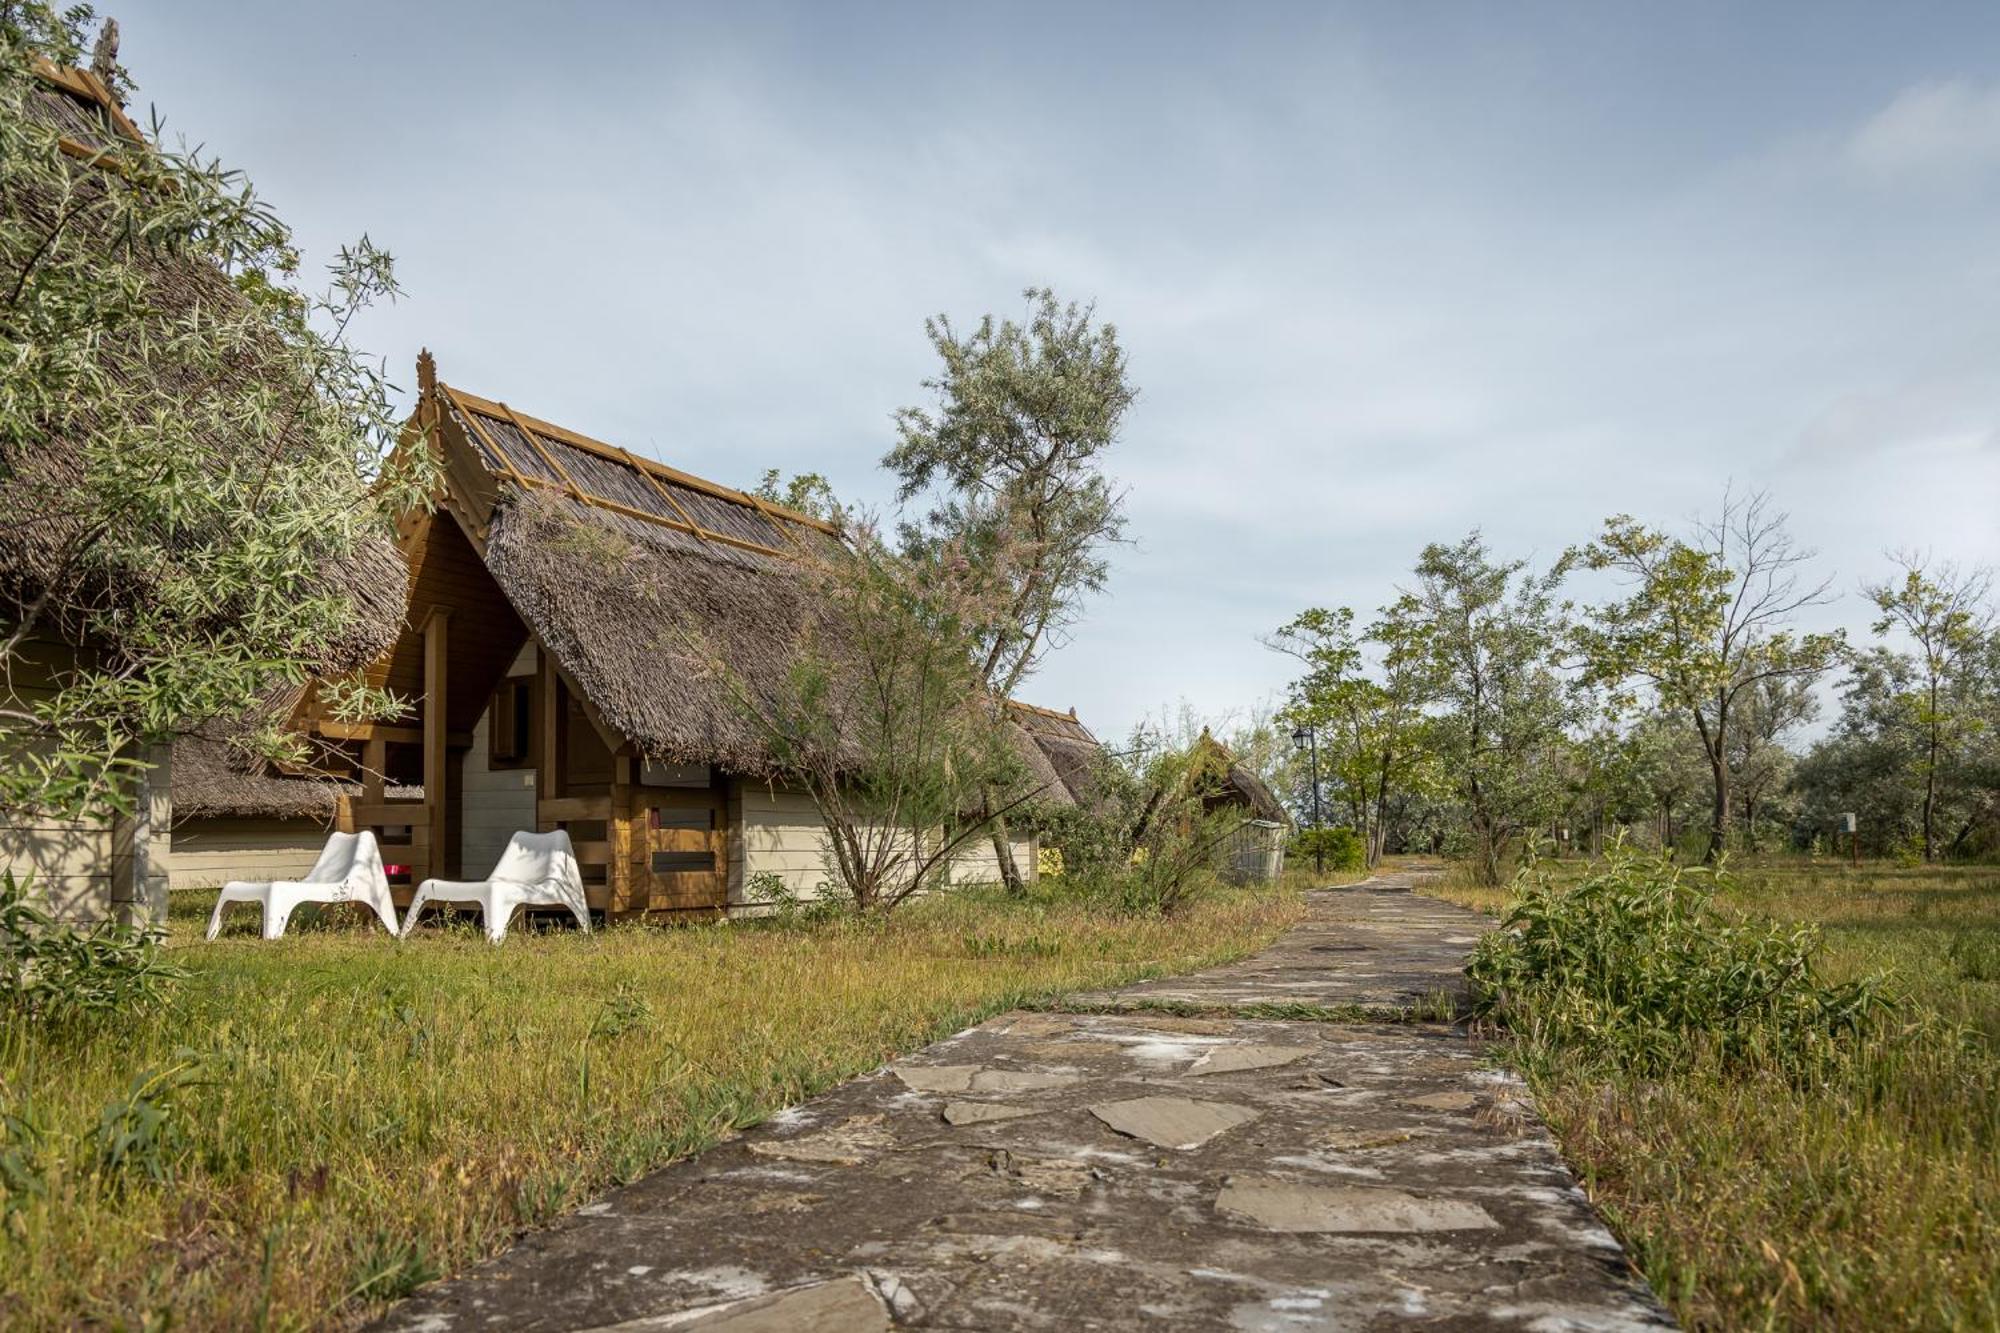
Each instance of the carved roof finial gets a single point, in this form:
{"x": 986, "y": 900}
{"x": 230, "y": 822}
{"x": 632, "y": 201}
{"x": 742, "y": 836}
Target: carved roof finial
{"x": 427, "y": 371}
{"x": 104, "y": 57}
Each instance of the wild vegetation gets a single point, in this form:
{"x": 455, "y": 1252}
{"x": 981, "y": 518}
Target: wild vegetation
{"x": 301, "y": 1131}
{"x": 1781, "y": 1084}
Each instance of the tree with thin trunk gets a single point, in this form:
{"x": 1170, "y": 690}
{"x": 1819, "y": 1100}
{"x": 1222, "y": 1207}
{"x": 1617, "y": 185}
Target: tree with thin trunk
{"x": 1012, "y": 458}
{"x": 1760, "y": 762}
{"x": 879, "y": 717}
{"x": 1500, "y": 708}
{"x": 1943, "y": 611}
{"x": 1706, "y": 619}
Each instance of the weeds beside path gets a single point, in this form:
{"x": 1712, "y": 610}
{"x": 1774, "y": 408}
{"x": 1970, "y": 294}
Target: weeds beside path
{"x": 1864, "y": 1196}
{"x": 315, "y": 1126}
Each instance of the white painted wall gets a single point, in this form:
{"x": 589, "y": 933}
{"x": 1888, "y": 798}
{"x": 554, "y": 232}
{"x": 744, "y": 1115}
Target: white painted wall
{"x": 778, "y": 832}
{"x": 978, "y": 865}
{"x": 75, "y": 866}
{"x": 495, "y": 803}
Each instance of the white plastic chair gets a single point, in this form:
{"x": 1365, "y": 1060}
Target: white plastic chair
{"x": 349, "y": 870}
{"x": 536, "y": 870}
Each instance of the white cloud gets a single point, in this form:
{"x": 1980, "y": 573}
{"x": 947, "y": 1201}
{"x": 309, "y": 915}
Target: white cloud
{"x": 1933, "y": 130}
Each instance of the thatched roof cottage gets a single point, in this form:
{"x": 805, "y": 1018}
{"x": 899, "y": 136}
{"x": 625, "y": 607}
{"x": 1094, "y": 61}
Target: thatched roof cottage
{"x": 1255, "y": 852}
{"x": 556, "y": 593}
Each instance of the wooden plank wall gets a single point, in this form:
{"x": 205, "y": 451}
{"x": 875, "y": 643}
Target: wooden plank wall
{"x": 210, "y": 852}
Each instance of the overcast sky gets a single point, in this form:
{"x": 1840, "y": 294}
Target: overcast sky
{"x": 1385, "y": 273}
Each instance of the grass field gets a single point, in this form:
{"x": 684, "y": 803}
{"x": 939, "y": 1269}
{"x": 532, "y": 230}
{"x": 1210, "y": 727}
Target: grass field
{"x": 319, "y": 1124}
{"x": 1869, "y": 1200}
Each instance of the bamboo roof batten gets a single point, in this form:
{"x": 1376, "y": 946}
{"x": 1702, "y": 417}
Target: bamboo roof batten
{"x": 665, "y": 495}
{"x": 555, "y": 464}
{"x": 646, "y": 515}
{"x": 771, "y": 516}
{"x": 614, "y": 454}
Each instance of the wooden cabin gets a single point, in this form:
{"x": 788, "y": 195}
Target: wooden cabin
{"x": 1254, "y": 852}
{"x": 557, "y": 592}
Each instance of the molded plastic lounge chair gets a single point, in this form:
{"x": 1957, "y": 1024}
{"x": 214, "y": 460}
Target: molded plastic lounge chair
{"x": 536, "y": 870}
{"x": 348, "y": 871}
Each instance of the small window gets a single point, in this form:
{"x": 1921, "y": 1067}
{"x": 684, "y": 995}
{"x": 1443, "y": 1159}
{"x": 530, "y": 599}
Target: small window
{"x": 511, "y": 735}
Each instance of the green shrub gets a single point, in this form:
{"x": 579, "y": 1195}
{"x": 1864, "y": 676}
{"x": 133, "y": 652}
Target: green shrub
{"x": 51, "y": 971}
{"x": 790, "y": 907}
{"x": 1634, "y": 966}
{"x": 1337, "y": 849}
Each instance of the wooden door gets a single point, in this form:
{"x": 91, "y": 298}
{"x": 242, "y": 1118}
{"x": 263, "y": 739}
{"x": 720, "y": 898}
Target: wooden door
{"x": 682, "y": 841}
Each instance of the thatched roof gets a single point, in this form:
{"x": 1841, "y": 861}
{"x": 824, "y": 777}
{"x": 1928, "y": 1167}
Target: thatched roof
{"x": 1064, "y": 749}
{"x": 216, "y": 775}
{"x": 637, "y": 577}
{"x": 1226, "y": 781}
{"x": 37, "y": 529}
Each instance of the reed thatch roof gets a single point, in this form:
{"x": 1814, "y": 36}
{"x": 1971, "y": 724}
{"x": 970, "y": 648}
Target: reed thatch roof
{"x": 639, "y": 577}
{"x": 1227, "y": 781}
{"x": 216, "y": 775}
{"x": 37, "y": 529}
{"x": 1065, "y": 750}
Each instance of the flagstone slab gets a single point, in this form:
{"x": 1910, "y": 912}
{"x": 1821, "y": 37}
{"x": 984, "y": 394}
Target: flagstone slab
{"x": 849, "y": 1144}
{"x": 846, "y": 1305}
{"x": 1249, "y": 1055}
{"x": 936, "y": 1078}
{"x": 1017, "y": 1080}
{"x": 1282, "y": 1205}
{"x": 1446, "y": 1101}
{"x": 975, "y": 1078}
{"x": 1181, "y": 1123}
{"x": 982, "y": 1113}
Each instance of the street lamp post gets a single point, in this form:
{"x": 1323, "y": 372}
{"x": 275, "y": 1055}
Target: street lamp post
{"x": 1307, "y": 738}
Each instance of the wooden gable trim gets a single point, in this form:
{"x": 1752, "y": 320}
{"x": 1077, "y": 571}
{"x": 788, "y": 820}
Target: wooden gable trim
{"x": 84, "y": 85}
{"x": 486, "y": 437}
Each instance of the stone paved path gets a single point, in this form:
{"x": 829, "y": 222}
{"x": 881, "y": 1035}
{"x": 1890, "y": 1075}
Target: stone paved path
{"x": 1119, "y": 1168}
{"x": 1371, "y": 946}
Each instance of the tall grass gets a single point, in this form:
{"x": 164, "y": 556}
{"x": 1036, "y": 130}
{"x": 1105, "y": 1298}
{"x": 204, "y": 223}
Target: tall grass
{"x": 312, "y": 1127}
{"x": 1862, "y": 1194}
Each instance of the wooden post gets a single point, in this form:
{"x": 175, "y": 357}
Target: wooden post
{"x": 374, "y": 761}
{"x": 552, "y": 763}
{"x": 436, "y": 782}
{"x": 621, "y": 876}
